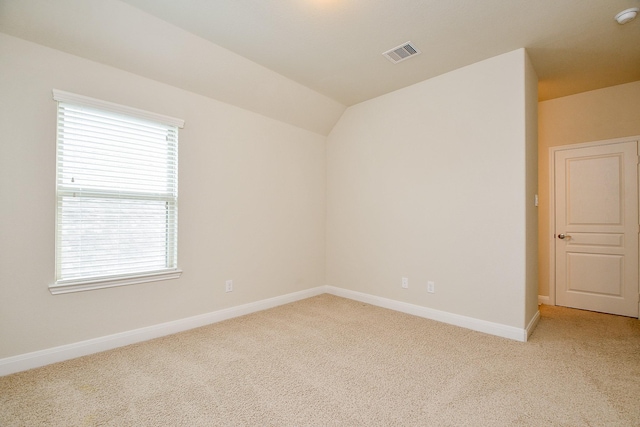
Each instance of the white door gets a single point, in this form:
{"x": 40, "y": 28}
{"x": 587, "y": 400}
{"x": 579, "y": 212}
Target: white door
{"x": 596, "y": 228}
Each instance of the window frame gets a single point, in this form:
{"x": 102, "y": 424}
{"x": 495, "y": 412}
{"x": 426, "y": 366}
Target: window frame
{"x": 99, "y": 282}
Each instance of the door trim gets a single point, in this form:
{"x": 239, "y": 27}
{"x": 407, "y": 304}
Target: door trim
{"x": 551, "y": 241}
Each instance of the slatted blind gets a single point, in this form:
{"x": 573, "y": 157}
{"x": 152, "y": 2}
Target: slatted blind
{"x": 117, "y": 194}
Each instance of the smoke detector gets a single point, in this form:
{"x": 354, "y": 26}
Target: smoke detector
{"x": 402, "y": 52}
{"x": 627, "y": 15}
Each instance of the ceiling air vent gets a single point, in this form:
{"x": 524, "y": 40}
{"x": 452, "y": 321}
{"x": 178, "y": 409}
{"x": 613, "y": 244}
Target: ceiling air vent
{"x": 402, "y": 52}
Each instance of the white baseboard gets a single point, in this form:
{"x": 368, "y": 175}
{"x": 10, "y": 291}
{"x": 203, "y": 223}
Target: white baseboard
{"x": 543, "y": 299}
{"x": 440, "y": 316}
{"x": 532, "y": 324}
{"x": 48, "y": 356}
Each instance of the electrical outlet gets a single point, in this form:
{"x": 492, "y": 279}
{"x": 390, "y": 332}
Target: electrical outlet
{"x": 405, "y": 282}
{"x": 431, "y": 286}
{"x": 228, "y": 286}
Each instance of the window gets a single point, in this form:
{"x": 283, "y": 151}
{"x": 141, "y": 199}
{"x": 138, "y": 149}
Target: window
{"x": 117, "y": 195}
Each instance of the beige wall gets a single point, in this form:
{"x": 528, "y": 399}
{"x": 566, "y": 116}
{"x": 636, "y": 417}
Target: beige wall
{"x": 252, "y": 205}
{"x": 531, "y": 153}
{"x": 591, "y": 116}
{"x": 430, "y": 183}
{"x": 115, "y": 33}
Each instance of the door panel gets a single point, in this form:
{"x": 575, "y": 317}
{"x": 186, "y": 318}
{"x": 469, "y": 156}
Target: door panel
{"x": 596, "y": 239}
{"x": 594, "y": 192}
{"x": 596, "y": 233}
{"x": 595, "y": 273}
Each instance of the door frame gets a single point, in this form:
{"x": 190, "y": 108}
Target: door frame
{"x": 552, "y": 200}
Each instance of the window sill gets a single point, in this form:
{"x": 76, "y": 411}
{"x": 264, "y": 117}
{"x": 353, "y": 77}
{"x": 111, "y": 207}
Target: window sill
{"x": 68, "y": 286}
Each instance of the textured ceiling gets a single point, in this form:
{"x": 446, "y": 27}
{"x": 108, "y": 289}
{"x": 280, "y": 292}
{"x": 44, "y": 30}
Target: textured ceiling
{"x": 335, "y": 46}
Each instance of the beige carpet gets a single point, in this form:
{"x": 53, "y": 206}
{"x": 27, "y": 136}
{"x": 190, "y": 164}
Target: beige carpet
{"x": 328, "y": 361}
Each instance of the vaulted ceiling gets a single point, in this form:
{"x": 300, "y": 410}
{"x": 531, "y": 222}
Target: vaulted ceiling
{"x": 335, "y": 46}
{"x": 332, "y": 48}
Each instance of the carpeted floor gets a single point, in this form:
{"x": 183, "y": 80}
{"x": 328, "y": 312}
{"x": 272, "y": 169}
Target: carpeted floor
{"x": 329, "y": 361}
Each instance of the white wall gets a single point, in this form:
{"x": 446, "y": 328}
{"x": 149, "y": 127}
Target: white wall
{"x": 252, "y": 204}
{"x": 596, "y": 115}
{"x": 115, "y": 33}
{"x": 430, "y": 182}
{"x": 531, "y": 153}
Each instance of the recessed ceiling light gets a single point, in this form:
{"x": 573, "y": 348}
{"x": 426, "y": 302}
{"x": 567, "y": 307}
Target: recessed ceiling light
{"x": 627, "y": 15}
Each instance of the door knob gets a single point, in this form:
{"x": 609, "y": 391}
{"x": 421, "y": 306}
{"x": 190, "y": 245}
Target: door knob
{"x": 563, "y": 236}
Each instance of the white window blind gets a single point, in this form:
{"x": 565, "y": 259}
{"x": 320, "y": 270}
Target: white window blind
{"x": 117, "y": 194}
